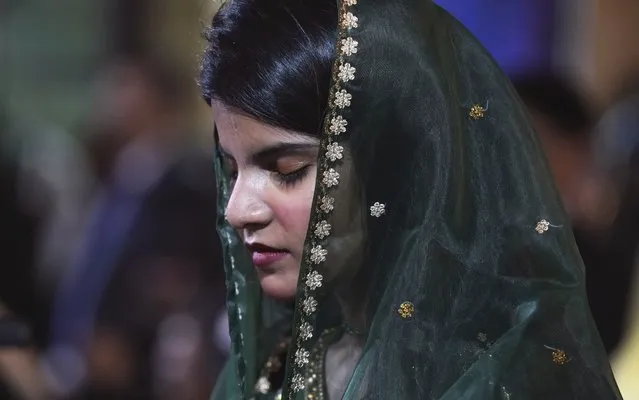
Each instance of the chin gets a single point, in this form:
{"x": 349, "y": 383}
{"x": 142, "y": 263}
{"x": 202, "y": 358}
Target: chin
{"x": 279, "y": 287}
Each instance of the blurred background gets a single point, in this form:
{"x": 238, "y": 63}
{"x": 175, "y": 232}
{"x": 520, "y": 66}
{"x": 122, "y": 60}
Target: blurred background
{"x": 112, "y": 286}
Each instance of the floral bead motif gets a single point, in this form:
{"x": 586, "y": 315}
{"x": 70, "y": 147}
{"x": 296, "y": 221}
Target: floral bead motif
{"x": 327, "y": 204}
{"x": 309, "y": 305}
{"x": 334, "y": 151}
{"x": 322, "y": 229}
{"x": 343, "y": 99}
{"x": 301, "y": 357}
{"x": 406, "y": 310}
{"x": 378, "y": 209}
{"x": 298, "y": 383}
{"x": 350, "y": 21}
{"x": 349, "y": 46}
{"x": 331, "y": 178}
{"x": 476, "y": 112}
{"x": 542, "y": 226}
{"x": 314, "y": 280}
{"x": 559, "y": 357}
{"x": 306, "y": 331}
{"x": 338, "y": 125}
{"x": 318, "y": 254}
{"x": 346, "y": 72}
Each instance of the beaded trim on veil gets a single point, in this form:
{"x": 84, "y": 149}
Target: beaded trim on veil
{"x": 331, "y": 153}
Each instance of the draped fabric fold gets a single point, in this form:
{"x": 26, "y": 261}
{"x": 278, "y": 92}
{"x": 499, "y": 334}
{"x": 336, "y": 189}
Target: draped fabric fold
{"x": 439, "y": 224}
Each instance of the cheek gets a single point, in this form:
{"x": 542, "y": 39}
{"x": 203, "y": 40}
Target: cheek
{"x": 294, "y": 211}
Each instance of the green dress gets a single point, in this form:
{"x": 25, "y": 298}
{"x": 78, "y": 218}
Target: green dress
{"x": 435, "y": 207}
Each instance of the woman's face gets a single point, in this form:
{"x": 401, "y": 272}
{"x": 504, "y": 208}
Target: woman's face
{"x": 273, "y": 173}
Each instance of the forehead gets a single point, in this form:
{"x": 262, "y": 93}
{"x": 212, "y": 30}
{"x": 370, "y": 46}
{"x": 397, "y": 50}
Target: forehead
{"x": 239, "y": 133}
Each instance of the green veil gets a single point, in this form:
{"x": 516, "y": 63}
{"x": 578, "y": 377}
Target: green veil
{"x": 436, "y": 218}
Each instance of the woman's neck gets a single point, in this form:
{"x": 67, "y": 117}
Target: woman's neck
{"x": 353, "y": 302}
{"x": 341, "y": 359}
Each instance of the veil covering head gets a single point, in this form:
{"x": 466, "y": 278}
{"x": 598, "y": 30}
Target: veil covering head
{"x": 435, "y": 206}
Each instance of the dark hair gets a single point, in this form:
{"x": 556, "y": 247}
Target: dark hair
{"x": 271, "y": 60}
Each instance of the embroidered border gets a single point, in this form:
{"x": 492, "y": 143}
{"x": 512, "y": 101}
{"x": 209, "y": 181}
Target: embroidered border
{"x": 335, "y": 128}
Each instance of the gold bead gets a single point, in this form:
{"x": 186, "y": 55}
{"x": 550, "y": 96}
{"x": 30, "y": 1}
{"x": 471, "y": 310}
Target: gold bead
{"x": 559, "y": 357}
{"x": 477, "y": 112}
{"x": 406, "y": 309}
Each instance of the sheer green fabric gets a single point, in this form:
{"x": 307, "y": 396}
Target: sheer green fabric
{"x": 494, "y": 299}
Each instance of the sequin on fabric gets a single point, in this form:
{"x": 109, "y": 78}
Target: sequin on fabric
{"x": 310, "y": 305}
{"x": 331, "y": 178}
{"x": 476, "y": 112}
{"x": 349, "y": 46}
{"x": 306, "y": 331}
{"x": 343, "y": 99}
{"x": 334, "y": 152}
{"x": 350, "y": 21}
{"x": 322, "y": 229}
{"x": 327, "y": 204}
{"x": 301, "y": 357}
{"x": 314, "y": 280}
{"x": 559, "y": 357}
{"x": 542, "y": 226}
{"x": 318, "y": 254}
{"x": 338, "y": 125}
{"x": 406, "y": 310}
{"x": 298, "y": 383}
{"x": 346, "y": 72}
{"x": 378, "y": 209}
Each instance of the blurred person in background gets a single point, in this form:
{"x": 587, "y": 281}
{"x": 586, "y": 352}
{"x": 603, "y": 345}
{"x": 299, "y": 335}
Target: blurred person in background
{"x": 133, "y": 316}
{"x": 26, "y": 204}
{"x": 523, "y": 37}
{"x": 601, "y": 202}
{"x": 19, "y": 375}
{"x": 22, "y": 312}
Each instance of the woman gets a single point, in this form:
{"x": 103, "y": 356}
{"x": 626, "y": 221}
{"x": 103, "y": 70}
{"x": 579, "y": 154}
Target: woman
{"x": 390, "y": 226}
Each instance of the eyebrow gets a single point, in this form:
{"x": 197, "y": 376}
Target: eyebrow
{"x": 275, "y": 151}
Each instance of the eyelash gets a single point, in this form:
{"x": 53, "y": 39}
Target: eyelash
{"x": 292, "y": 178}
{"x": 288, "y": 180}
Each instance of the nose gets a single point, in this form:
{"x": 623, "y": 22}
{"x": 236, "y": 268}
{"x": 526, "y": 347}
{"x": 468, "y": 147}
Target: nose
{"x": 247, "y": 208}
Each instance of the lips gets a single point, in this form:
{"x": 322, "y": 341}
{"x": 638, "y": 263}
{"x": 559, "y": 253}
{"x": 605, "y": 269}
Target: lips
{"x": 264, "y": 256}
